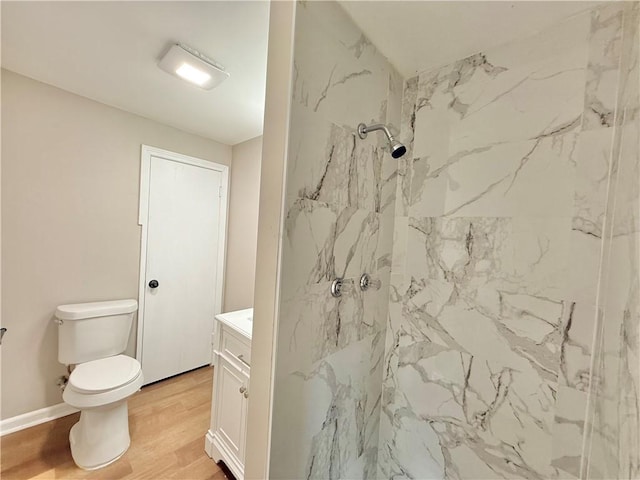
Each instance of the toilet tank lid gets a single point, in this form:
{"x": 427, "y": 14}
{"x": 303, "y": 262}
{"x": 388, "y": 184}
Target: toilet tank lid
{"x": 79, "y": 311}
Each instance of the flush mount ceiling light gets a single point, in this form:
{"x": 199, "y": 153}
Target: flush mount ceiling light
{"x": 190, "y": 65}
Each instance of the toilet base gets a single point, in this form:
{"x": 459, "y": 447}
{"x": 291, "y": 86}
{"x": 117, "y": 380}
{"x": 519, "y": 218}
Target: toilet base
{"x": 101, "y": 436}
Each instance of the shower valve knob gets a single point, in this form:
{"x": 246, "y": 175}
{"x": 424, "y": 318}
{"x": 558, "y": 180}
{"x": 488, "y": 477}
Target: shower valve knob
{"x": 365, "y": 282}
{"x": 336, "y": 287}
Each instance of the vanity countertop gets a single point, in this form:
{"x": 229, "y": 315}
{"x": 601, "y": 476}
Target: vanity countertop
{"x": 240, "y": 320}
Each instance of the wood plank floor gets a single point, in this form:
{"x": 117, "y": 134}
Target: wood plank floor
{"x": 168, "y": 421}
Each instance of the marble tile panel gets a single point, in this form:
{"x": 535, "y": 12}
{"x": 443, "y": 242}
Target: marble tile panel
{"x": 384, "y": 252}
{"x": 434, "y": 116}
{"x": 492, "y": 309}
{"x": 428, "y": 188}
{"x": 322, "y": 244}
{"x": 400, "y": 233}
{"x": 554, "y": 42}
{"x": 408, "y": 113}
{"x": 393, "y": 321}
{"x": 309, "y": 240}
{"x": 530, "y": 105}
{"x": 374, "y": 395}
{"x": 584, "y": 267}
{"x": 578, "y": 326}
{"x": 615, "y": 374}
{"x": 629, "y": 98}
{"x": 534, "y": 88}
{"x": 478, "y": 367}
{"x": 332, "y": 164}
{"x": 526, "y": 90}
{"x": 520, "y": 339}
{"x": 613, "y": 447}
{"x": 407, "y": 127}
{"x": 341, "y": 398}
{"x": 335, "y": 23}
{"x": 335, "y": 71}
{"x": 320, "y": 159}
{"x": 315, "y": 325}
{"x": 568, "y": 431}
{"x": 403, "y": 186}
{"x": 408, "y": 448}
{"x": 482, "y": 420}
{"x": 603, "y": 68}
{"x": 624, "y": 212}
{"x": 532, "y": 178}
{"x": 357, "y": 243}
{"x": 474, "y": 255}
{"x": 621, "y": 291}
{"x": 394, "y": 102}
{"x": 373, "y": 187}
{"x": 378, "y": 186}
{"x": 593, "y": 162}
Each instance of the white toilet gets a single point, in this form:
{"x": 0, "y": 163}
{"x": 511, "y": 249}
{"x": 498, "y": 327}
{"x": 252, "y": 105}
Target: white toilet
{"x": 92, "y": 336}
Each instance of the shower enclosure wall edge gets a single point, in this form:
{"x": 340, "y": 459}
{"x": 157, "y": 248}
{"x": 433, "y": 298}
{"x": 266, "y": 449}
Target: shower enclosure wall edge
{"x": 271, "y": 216}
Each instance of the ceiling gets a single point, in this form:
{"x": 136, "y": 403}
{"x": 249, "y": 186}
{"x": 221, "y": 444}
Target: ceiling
{"x": 419, "y": 35}
{"x": 108, "y": 51}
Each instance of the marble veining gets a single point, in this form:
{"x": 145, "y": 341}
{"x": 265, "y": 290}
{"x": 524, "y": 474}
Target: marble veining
{"x": 339, "y": 216}
{"x": 603, "y": 67}
{"x": 502, "y": 245}
{"x": 334, "y": 166}
{"x": 471, "y": 320}
{"x": 502, "y": 213}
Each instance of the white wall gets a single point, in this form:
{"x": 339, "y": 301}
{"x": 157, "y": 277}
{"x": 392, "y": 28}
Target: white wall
{"x": 242, "y": 232}
{"x": 70, "y": 182}
{"x": 270, "y": 227}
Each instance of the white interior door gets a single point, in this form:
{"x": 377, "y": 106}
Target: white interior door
{"x": 181, "y": 274}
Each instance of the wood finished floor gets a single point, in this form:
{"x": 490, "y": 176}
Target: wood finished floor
{"x": 167, "y": 421}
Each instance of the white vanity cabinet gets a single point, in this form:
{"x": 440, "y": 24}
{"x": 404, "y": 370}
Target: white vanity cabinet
{"x": 226, "y": 437}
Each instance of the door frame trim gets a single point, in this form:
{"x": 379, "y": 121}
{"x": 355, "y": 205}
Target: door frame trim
{"x": 143, "y": 214}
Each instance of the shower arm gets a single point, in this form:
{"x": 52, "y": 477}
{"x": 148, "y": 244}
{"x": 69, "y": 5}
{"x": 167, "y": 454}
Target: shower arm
{"x": 364, "y": 129}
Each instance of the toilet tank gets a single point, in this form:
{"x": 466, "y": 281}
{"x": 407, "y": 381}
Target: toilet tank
{"x": 89, "y": 331}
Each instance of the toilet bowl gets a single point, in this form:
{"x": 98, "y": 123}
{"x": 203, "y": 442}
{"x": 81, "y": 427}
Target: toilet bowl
{"x": 100, "y": 389}
{"x": 92, "y": 337}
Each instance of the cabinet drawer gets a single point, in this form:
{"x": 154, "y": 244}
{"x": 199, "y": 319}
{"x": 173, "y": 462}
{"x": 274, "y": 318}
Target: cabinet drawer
{"x": 235, "y": 347}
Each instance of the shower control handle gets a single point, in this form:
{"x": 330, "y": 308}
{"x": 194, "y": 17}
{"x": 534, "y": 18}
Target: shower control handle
{"x": 336, "y": 287}
{"x": 153, "y": 284}
{"x": 365, "y": 282}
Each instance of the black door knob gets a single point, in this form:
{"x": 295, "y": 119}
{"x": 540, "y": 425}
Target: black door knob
{"x": 153, "y": 284}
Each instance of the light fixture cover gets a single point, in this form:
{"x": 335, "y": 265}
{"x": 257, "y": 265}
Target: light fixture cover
{"x": 190, "y": 65}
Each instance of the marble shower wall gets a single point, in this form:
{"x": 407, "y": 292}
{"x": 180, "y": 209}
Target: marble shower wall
{"x": 613, "y": 421}
{"x": 500, "y": 221}
{"x": 340, "y": 205}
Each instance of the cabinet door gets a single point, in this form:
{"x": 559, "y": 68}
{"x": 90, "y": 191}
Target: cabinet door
{"x": 231, "y": 409}
{"x": 245, "y": 405}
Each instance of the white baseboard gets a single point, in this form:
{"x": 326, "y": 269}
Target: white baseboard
{"x": 30, "y": 419}
{"x": 211, "y": 451}
{"x": 218, "y": 450}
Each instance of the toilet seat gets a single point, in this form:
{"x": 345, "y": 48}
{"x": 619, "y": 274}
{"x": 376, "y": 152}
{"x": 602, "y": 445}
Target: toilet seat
{"x": 102, "y": 382}
{"x": 104, "y": 374}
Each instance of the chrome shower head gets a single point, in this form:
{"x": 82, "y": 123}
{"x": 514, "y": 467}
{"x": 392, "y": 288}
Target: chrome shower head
{"x": 397, "y": 149}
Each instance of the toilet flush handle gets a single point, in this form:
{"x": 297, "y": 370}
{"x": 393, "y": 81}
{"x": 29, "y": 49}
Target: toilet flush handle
{"x": 153, "y": 284}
